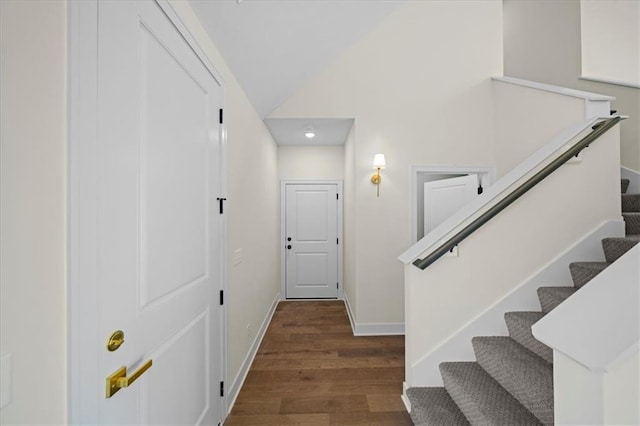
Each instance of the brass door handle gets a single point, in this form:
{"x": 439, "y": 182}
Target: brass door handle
{"x": 119, "y": 378}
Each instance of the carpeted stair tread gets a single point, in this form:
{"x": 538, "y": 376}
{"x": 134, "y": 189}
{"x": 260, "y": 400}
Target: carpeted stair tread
{"x": 624, "y": 185}
{"x": 480, "y": 398}
{"x": 630, "y": 203}
{"x": 550, "y": 297}
{"x": 616, "y": 247}
{"x": 631, "y": 223}
{"x": 519, "y": 326}
{"x": 434, "y": 406}
{"x": 522, "y": 373}
{"x": 583, "y": 272}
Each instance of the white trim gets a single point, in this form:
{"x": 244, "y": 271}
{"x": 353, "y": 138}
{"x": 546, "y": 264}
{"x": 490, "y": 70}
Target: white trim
{"x": 82, "y": 293}
{"x": 490, "y": 322}
{"x": 555, "y": 89}
{"x": 283, "y": 237}
{"x": 350, "y": 313}
{"x": 486, "y": 172}
{"x": 610, "y": 81}
{"x": 634, "y": 179}
{"x": 405, "y": 399}
{"x": 374, "y": 328}
{"x": 234, "y": 390}
{"x": 379, "y": 329}
{"x": 82, "y": 300}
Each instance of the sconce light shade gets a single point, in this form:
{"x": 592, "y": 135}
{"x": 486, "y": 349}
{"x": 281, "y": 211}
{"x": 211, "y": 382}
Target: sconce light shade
{"x": 379, "y": 162}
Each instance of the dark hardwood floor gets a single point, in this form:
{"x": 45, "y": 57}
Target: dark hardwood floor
{"x": 311, "y": 370}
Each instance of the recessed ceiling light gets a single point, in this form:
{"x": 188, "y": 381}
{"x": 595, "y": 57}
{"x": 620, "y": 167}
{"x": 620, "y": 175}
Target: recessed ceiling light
{"x": 309, "y": 133}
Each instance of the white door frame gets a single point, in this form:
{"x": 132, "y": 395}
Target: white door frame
{"x": 283, "y": 228}
{"x": 83, "y": 341}
{"x": 487, "y": 176}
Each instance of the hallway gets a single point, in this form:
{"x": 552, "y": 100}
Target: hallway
{"x": 311, "y": 370}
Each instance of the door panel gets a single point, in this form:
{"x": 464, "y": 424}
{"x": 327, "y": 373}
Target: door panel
{"x": 444, "y": 197}
{"x": 159, "y": 239}
{"x": 311, "y": 223}
{"x": 173, "y": 141}
{"x": 189, "y": 379}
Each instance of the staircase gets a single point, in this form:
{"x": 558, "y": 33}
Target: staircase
{"x": 511, "y": 382}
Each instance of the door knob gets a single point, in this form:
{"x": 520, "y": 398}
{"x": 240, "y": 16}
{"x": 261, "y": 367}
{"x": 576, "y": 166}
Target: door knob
{"x": 115, "y": 340}
{"x": 289, "y": 247}
{"x": 119, "y": 379}
{"x": 288, "y": 238}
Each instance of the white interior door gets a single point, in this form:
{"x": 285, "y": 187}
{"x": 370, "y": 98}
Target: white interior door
{"x": 444, "y": 197}
{"x": 311, "y": 233}
{"x": 159, "y": 230}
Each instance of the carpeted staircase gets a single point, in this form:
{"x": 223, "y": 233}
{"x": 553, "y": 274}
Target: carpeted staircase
{"x": 511, "y": 382}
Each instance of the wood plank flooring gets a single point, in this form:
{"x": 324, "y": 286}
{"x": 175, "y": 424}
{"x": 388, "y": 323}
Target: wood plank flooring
{"x": 311, "y": 370}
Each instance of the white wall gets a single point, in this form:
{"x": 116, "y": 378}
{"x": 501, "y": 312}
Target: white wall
{"x": 32, "y": 209}
{"x": 527, "y": 118}
{"x": 252, "y": 208}
{"x": 419, "y": 88}
{"x": 610, "y": 34}
{"x": 311, "y": 162}
{"x": 542, "y": 43}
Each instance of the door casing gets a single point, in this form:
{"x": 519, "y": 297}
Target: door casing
{"x": 283, "y": 237}
{"x": 83, "y": 341}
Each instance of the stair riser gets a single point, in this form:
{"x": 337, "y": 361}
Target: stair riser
{"x": 624, "y": 185}
{"x": 582, "y": 275}
{"x": 434, "y": 406}
{"x": 480, "y": 398}
{"x": 524, "y": 375}
{"x": 616, "y": 247}
{"x": 520, "y": 331}
{"x": 550, "y": 300}
{"x": 631, "y": 202}
{"x": 632, "y": 223}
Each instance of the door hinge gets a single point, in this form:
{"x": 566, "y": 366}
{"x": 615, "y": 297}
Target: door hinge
{"x": 221, "y": 120}
{"x": 480, "y": 190}
{"x": 337, "y": 285}
{"x": 221, "y": 201}
{"x": 221, "y": 388}
{"x": 221, "y": 297}
{"x": 337, "y": 197}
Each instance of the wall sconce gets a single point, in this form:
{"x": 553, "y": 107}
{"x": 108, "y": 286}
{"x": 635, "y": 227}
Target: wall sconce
{"x": 378, "y": 163}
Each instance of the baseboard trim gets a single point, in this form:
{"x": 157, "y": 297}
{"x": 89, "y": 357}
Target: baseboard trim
{"x": 405, "y": 398}
{"x": 490, "y": 322}
{"x": 372, "y": 329}
{"x": 349, "y": 313}
{"x": 234, "y": 390}
{"x": 634, "y": 179}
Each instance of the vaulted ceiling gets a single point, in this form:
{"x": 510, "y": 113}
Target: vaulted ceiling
{"x": 274, "y": 47}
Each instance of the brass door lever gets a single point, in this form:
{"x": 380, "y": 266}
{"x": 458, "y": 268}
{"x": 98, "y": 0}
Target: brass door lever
{"x": 119, "y": 379}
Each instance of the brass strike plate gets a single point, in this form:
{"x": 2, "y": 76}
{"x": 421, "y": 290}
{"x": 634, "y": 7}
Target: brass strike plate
{"x": 116, "y": 339}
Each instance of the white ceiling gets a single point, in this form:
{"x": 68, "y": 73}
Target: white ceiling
{"x": 290, "y": 131}
{"x": 273, "y": 47}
